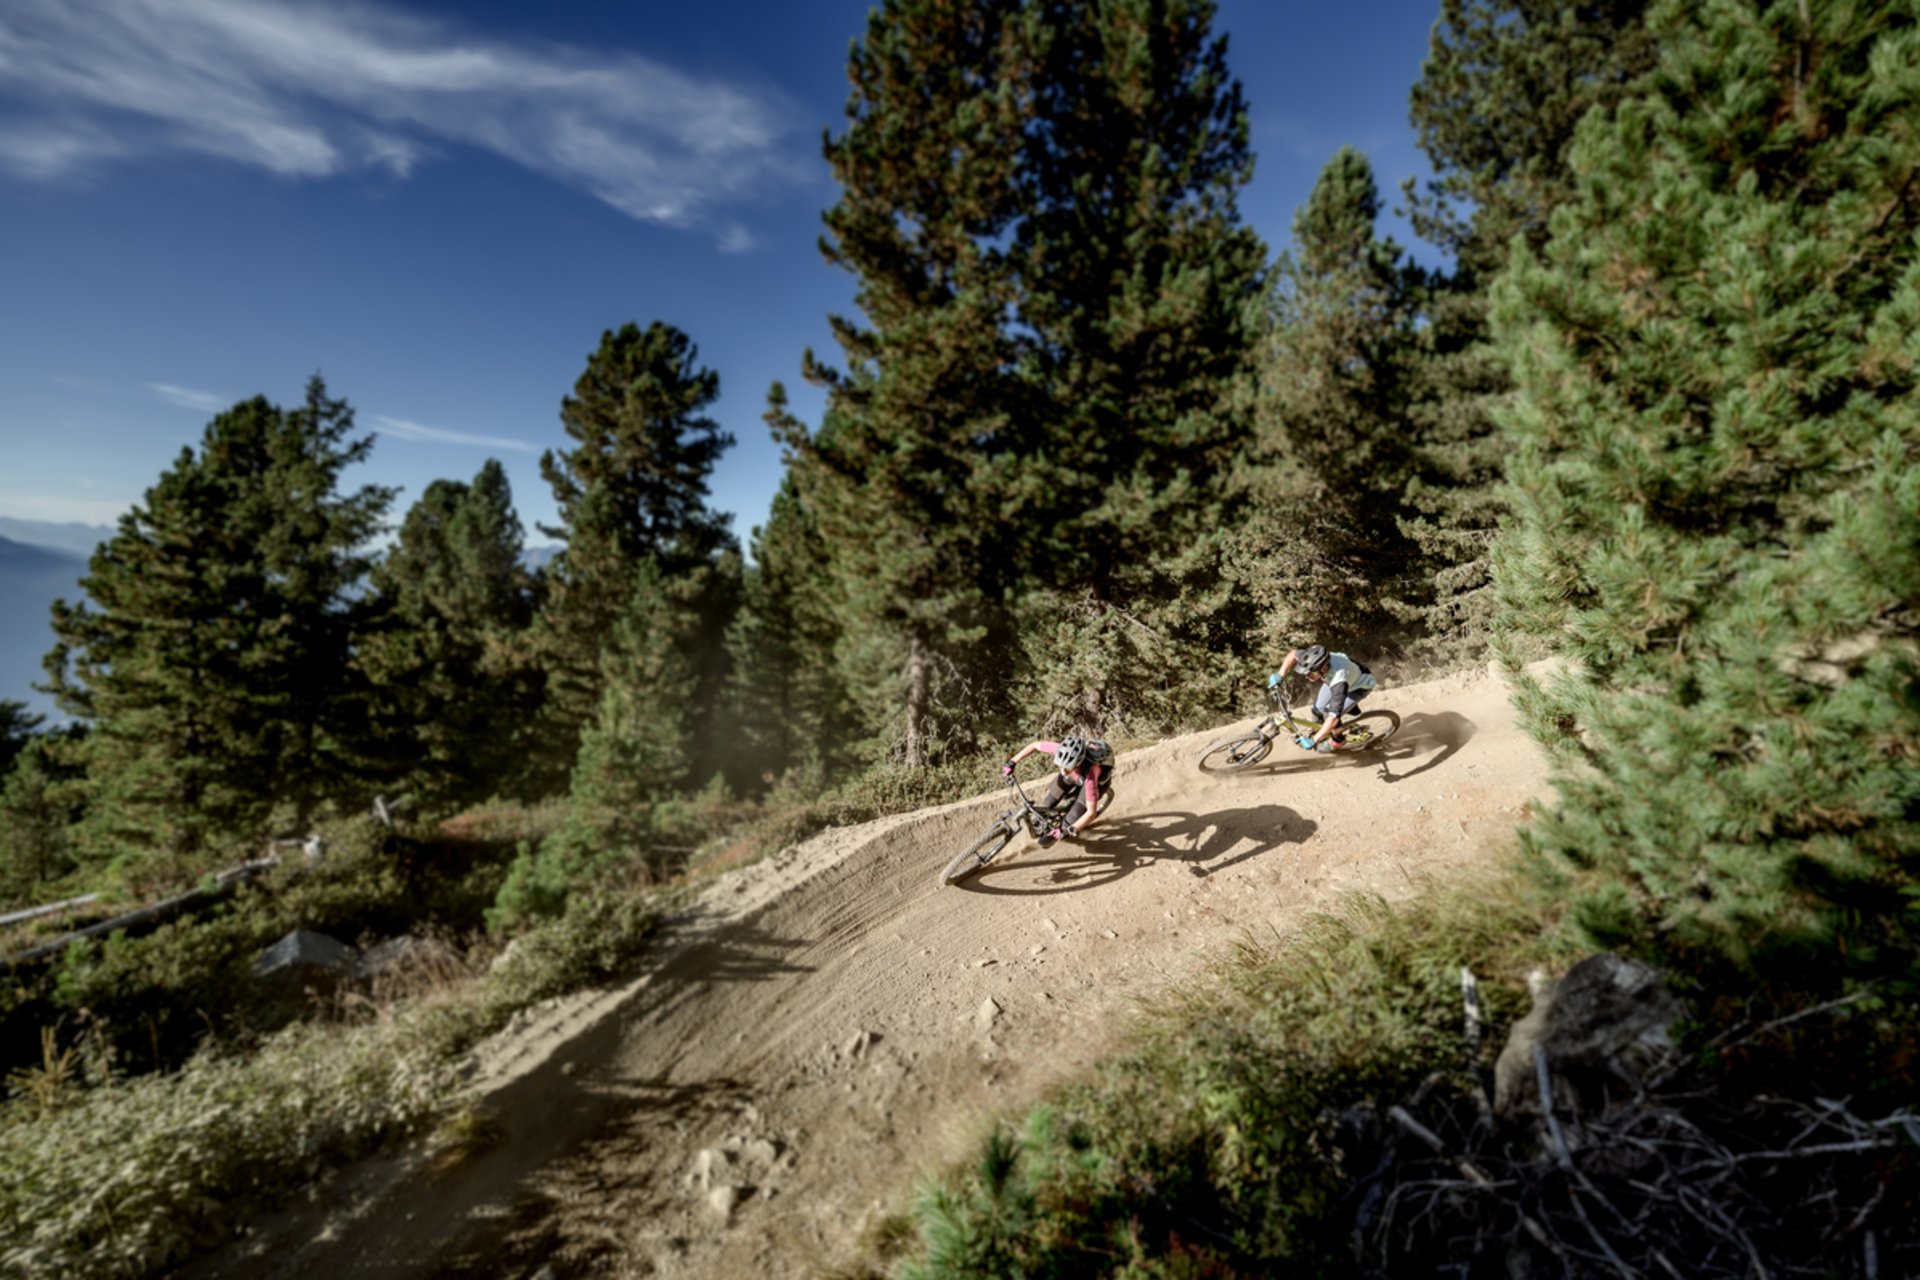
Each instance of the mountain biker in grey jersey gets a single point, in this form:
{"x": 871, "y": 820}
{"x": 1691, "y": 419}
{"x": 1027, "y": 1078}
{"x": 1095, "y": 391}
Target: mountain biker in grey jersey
{"x": 1343, "y": 682}
{"x": 1070, "y": 757}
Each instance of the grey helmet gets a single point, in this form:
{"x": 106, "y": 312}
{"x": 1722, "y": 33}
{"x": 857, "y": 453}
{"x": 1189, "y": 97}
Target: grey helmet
{"x": 1312, "y": 658}
{"x": 1069, "y": 753}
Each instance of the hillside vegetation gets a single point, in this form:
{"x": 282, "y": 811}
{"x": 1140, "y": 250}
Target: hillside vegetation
{"x": 1091, "y": 460}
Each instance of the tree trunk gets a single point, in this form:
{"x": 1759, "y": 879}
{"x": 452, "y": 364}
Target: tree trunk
{"x": 917, "y": 698}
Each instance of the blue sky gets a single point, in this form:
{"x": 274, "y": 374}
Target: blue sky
{"x": 440, "y": 206}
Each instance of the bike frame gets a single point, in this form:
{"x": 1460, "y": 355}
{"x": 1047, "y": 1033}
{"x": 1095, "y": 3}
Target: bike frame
{"x": 1038, "y": 821}
{"x": 1283, "y": 711}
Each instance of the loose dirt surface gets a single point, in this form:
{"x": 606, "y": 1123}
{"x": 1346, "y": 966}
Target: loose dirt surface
{"x": 830, "y": 1024}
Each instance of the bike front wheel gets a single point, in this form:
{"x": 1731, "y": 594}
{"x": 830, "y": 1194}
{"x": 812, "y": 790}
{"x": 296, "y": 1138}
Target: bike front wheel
{"x": 1368, "y": 730}
{"x": 1234, "y": 754}
{"x": 978, "y": 854}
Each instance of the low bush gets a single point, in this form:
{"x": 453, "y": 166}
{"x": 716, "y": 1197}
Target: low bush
{"x": 596, "y": 935}
{"x": 135, "y": 1174}
{"x": 132, "y": 1174}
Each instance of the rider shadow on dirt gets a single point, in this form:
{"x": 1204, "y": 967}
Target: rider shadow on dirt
{"x": 1428, "y": 739}
{"x": 739, "y": 953}
{"x": 1123, "y": 843}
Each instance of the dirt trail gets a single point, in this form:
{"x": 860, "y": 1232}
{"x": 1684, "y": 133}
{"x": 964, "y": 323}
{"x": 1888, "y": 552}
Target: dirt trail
{"x": 828, "y": 1023}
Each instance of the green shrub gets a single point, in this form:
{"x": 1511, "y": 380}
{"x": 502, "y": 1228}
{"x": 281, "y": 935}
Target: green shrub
{"x": 136, "y": 1174}
{"x": 595, "y": 936}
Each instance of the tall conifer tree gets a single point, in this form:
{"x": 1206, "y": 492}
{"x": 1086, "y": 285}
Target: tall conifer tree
{"x": 1143, "y": 290}
{"x": 1504, "y": 85}
{"x": 453, "y": 600}
{"x": 786, "y": 704}
{"x": 42, "y": 799}
{"x": 17, "y": 727}
{"x": 905, "y": 482}
{"x": 1038, "y": 198}
{"x": 212, "y": 655}
{"x": 1717, "y": 472}
{"x": 1334, "y": 439}
{"x": 632, "y": 492}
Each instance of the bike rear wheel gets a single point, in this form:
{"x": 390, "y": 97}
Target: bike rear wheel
{"x": 978, "y": 854}
{"x": 1368, "y": 730}
{"x": 1234, "y": 754}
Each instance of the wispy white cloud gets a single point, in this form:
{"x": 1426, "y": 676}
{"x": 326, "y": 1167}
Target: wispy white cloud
{"x": 735, "y": 238}
{"x": 188, "y": 398}
{"x": 314, "y": 89}
{"x": 43, "y": 150}
{"x": 401, "y": 429}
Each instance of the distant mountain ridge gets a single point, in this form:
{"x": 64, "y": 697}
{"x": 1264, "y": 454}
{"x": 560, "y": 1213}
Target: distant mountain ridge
{"x": 28, "y": 558}
{"x": 32, "y": 577}
{"x": 70, "y": 537}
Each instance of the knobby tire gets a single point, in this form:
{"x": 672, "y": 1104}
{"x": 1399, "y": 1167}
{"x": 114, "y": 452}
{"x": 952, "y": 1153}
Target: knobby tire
{"x": 977, "y": 855}
{"x": 1234, "y": 754}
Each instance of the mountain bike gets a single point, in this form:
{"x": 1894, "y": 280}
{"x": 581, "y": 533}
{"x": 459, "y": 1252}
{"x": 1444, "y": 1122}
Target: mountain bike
{"x": 1362, "y": 731}
{"x": 1025, "y": 814}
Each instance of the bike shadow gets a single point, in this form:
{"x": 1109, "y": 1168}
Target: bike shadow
{"x": 1122, "y": 844}
{"x": 1430, "y": 740}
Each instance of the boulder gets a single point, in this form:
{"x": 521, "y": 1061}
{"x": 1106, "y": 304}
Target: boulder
{"x": 1606, "y": 1025}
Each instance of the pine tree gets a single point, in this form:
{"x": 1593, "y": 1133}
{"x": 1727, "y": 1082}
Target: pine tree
{"x": 1504, "y": 85}
{"x": 905, "y": 484}
{"x": 42, "y": 801}
{"x": 1143, "y": 292}
{"x": 1717, "y": 472}
{"x": 786, "y": 706}
{"x": 1334, "y": 449}
{"x": 453, "y": 600}
{"x": 213, "y": 654}
{"x": 1038, "y": 198}
{"x": 631, "y": 492}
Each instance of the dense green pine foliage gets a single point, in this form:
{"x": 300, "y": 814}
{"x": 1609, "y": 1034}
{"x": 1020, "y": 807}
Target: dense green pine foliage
{"x": 454, "y": 697}
{"x": 908, "y": 480}
{"x": 1334, "y": 443}
{"x": 631, "y": 636}
{"x": 1012, "y": 484}
{"x": 17, "y": 727}
{"x": 213, "y": 655}
{"x": 42, "y": 798}
{"x": 1503, "y": 86}
{"x": 631, "y": 491}
{"x": 786, "y": 701}
{"x": 1717, "y": 474}
{"x": 1143, "y": 292}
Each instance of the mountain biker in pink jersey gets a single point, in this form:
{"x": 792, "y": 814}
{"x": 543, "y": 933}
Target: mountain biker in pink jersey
{"x": 1343, "y": 682}
{"x": 1076, "y": 770}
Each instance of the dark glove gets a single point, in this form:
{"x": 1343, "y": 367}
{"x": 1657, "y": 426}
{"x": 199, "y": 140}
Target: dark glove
{"x": 1006, "y": 770}
{"x": 1060, "y": 833}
